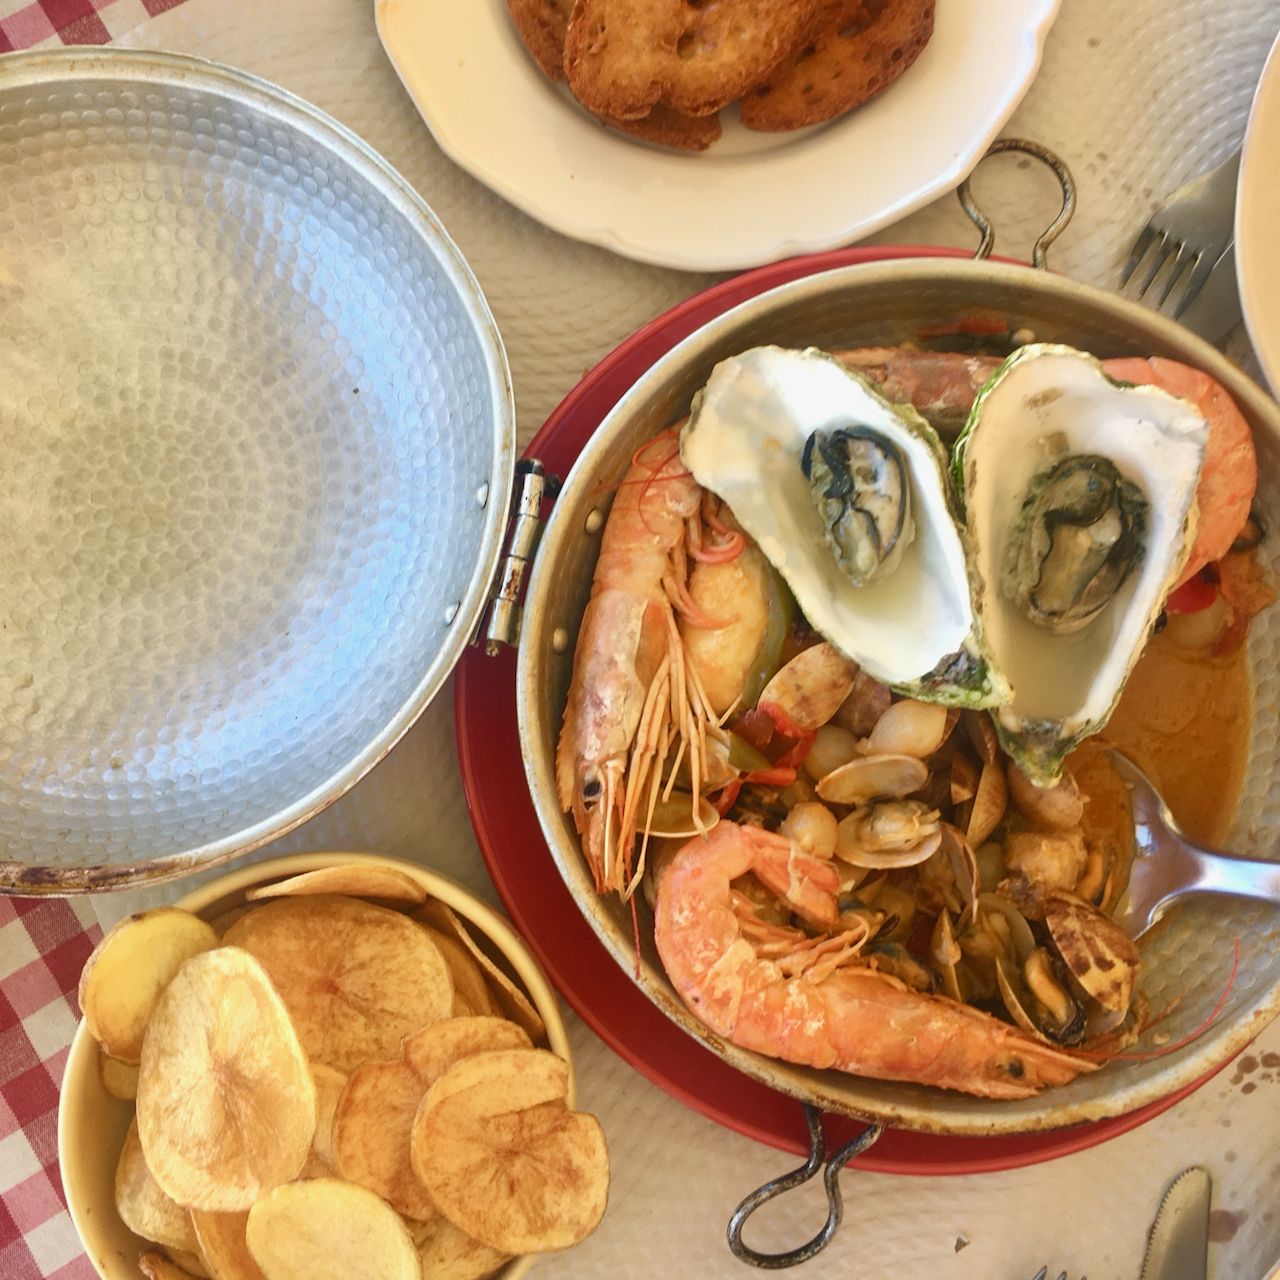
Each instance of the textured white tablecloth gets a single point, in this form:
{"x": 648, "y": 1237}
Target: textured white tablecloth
{"x": 1138, "y": 97}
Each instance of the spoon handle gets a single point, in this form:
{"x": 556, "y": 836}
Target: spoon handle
{"x": 1169, "y": 867}
{"x": 1219, "y": 873}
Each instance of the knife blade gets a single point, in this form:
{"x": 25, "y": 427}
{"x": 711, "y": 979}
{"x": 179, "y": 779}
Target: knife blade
{"x": 1178, "y": 1243}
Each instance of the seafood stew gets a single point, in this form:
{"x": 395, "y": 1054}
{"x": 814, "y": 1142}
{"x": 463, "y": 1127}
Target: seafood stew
{"x": 1197, "y": 981}
{"x": 770, "y": 920}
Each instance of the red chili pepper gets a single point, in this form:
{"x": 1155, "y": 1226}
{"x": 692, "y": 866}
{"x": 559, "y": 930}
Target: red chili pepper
{"x": 1192, "y": 596}
{"x": 775, "y": 777}
{"x": 796, "y": 753}
{"x": 755, "y": 727}
{"x": 728, "y": 794}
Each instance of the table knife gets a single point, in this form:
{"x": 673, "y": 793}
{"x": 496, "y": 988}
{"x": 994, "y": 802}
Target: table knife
{"x": 1178, "y": 1244}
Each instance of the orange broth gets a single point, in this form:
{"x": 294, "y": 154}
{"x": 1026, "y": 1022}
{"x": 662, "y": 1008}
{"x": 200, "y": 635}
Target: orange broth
{"x": 1184, "y": 720}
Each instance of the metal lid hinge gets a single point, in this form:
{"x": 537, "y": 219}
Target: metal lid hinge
{"x": 523, "y": 532}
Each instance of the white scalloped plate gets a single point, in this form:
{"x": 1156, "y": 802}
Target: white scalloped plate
{"x": 752, "y": 198}
{"x": 1257, "y": 216}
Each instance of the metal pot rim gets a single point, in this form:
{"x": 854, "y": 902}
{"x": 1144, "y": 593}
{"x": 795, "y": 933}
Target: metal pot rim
{"x": 658, "y": 394}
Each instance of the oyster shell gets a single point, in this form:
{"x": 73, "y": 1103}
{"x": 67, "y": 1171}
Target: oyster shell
{"x": 1079, "y": 495}
{"x": 880, "y": 506}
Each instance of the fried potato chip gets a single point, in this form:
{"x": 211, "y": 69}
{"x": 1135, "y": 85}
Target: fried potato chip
{"x": 226, "y": 1102}
{"x": 143, "y": 1206}
{"x": 225, "y": 919}
{"x": 515, "y": 1004}
{"x": 355, "y": 977}
{"x": 354, "y": 879}
{"x": 375, "y": 1113}
{"x": 329, "y": 1086}
{"x": 371, "y": 1134}
{"x": 155, "y": 1266}
{"x": 316, "y": 1166}
{"x": 192, "y": 1264}
{"x": 469, "y": 986}
{"x": 119, "y": 1079}
{"x": 861, "y": 48}
{"x": 433, "y": 1050}
{"x": 130, "y": 967}
{"x": 504, "y": 1158}
{"x": 221, "y": 1237}
{"x": 329, "y": 1228}
{"x": 622, "y": 57}
{"x": 448, "y": 1253}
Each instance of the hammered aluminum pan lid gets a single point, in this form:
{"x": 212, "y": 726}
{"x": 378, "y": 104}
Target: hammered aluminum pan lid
{"x": 258, "y": 439}
{"x": 1211, "y": 971}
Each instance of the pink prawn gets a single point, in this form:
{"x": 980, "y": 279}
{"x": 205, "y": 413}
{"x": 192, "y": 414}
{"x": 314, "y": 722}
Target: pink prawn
{"x": 816, "y": 1001}
{"x": 632, "y": 692}
{"x": 1229, "y": 475}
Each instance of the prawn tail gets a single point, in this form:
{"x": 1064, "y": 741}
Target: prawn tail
{"x": 880, "y": 1028}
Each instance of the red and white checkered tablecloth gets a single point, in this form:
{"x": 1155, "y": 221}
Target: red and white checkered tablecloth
{"x": 44, "y": 943}
{"x": 39, "y": 24}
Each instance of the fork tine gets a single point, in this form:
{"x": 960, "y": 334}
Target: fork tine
{"x": 1186, "y": 258}
{"x": 1158, "y": 259}
{"x": 1195, "y": 282}
{"x": 1140, "y": 247}
{"x": 1040, "y": 1275}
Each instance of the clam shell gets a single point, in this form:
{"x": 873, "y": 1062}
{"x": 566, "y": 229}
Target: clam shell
{"x": 872, "y": 778}
{"x": 1103, "y": 958}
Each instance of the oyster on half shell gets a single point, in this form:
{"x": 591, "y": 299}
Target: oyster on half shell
{"x": 848, "y": 497}
{"x": 1079, "y": 495}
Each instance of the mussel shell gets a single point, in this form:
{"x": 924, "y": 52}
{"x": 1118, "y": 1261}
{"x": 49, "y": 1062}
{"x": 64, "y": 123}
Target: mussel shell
{"x": 893, "y": 958}
{"x": 1034, "y": 1017}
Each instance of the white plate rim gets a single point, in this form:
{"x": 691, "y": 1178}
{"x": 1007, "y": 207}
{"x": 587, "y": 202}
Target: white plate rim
{"x": 751, "y": 199}
{"x": 1257, "y": 213}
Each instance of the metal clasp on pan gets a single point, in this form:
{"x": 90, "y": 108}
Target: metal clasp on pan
{"x": 830, "y": 1179}
{"x": 504, "y": 612}
{"x": 1039, "y": 252}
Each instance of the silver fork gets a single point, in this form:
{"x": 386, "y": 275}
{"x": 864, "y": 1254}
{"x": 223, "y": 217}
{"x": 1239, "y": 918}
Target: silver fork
{"x": 1044, "y": 1271}
{"x": 1194, "y": 227}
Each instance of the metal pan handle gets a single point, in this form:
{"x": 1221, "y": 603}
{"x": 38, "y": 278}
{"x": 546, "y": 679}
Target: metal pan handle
{"x": 1039, "y": 252}
{"x": 830, "y": 1179}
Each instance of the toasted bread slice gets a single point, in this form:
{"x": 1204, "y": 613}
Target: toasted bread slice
{"x": 542, "y": 25}
{"x": 623, "y": 57}
{"x": 861, "y": 47}
{"x": 671, "y": 128}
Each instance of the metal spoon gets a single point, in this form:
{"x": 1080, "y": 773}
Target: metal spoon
{"x": 1168, "y": 867}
